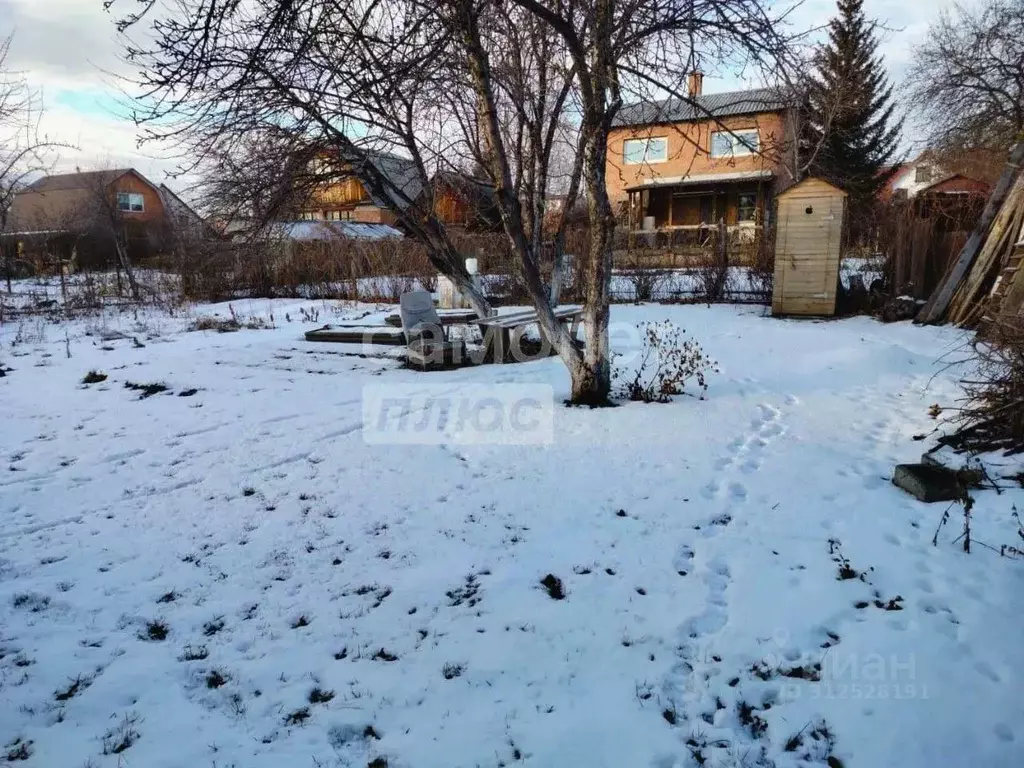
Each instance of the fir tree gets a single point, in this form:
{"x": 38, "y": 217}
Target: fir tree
{"x": 850, "y": 109}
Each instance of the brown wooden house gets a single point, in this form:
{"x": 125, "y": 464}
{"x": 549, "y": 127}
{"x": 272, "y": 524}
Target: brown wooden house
{"x": 687, "y": 164}
{"x": 462, "y": 201}
{"x": 71, "y": 217}
{"x": 336, "y": 194}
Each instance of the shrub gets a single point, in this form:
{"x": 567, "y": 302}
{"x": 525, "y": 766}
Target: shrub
{"x": 667, "y": 363}
{"x": 991, "y": 417}
{"x": 762, "y": 269}
{"x": 646, "y": 279}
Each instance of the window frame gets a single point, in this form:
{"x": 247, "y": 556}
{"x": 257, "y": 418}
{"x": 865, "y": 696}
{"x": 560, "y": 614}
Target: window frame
{"x": 737, "y": 146}
{"x": 645, "y": 158}
{"x": 923, "y": 170}
{"x": 130, "y": 201}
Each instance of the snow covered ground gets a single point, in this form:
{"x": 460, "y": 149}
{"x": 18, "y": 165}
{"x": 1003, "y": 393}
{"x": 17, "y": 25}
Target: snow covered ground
{"x": 228, "y": 573}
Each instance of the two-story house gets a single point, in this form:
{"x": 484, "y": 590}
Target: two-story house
{"x": 335, "y": 195}
{"x": 73, "y": 215}
{"x": 685, "y": 164}
{"x": 457, "y": 199}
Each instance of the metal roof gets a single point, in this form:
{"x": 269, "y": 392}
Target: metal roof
{"x": 78, "y": 180}
{"x": 331, "y": 230}
{"x": 730, "y": 177}
{"x": 706, "y": 107}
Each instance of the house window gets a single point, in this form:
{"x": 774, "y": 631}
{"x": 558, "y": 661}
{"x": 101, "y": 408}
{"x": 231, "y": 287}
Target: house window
{"x": 747, "y": 208}
{"x": 923, "y": 174}
{"x": 333, "y": 215}
{"x": 735, "y": 143}
{"x": 637, "y": 151}
{"x": 130, "y": 202}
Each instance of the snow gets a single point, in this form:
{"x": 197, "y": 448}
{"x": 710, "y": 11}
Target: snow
{"x": 271, "y": 536}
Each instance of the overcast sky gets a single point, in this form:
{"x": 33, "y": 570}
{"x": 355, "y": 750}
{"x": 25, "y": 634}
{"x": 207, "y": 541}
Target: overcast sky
{"x": 70, "y": 50}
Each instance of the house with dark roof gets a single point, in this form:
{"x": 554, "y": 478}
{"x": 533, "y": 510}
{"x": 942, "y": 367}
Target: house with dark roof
{"x": 337, "y": 193}
{"x": 71, "y": 201}
{"x": 926, "y": 176}
{"x": 679, "y": 164}
{"x": 72, "y": 216}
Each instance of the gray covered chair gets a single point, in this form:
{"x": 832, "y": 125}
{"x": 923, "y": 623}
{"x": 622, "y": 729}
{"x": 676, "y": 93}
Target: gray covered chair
{"x": 424, "y": 334}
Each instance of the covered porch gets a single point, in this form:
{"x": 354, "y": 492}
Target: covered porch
{"x": 698, "y": 202}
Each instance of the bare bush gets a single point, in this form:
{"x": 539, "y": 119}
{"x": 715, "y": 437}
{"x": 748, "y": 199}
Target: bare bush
{"x": 991, "y": 417}
{"x": 645, "y": 278}
{"x": 710, "y": 277}
{"x": 667, "y": 362}
{"x": 761, "y": 273}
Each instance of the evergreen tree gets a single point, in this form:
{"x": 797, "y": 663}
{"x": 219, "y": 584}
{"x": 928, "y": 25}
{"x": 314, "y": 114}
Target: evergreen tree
{"x": 850, "y": 110}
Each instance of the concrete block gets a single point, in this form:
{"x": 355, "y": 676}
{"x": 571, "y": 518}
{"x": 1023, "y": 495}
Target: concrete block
{"x": 928, "y": 482}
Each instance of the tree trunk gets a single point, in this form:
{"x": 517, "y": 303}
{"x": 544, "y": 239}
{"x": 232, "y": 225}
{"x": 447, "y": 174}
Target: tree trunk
{"x": 591, "y": 382}
{"x": 7, "y": 266}
{"x": 555, "y": 294}
{"x": 465, "y": 285}
{"x": 122, "y": 257}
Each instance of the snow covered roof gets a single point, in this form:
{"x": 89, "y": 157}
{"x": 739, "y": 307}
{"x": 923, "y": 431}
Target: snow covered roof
{"x": 332, "y": 230}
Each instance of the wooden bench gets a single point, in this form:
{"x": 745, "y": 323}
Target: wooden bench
{"x": 446, "y": 316}
{"x": 357, "y": 334}
{"x": 507, "y": 330}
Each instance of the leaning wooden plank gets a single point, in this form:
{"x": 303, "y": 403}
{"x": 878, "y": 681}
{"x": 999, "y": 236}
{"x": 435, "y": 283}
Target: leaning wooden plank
{"x": 1012, "y": 299}
{"x": 981, "y": 272}
{"x": 993, "y": 255}
{"x": 935, "y": 309}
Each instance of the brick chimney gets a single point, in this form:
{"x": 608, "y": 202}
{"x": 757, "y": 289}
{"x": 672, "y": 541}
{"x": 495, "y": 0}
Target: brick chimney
{"x": 695, "y": 84}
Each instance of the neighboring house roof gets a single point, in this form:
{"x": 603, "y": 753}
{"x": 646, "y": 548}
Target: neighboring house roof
{"x": 957, "y": 184}
{"x": 464, "y": 185}
{"x": 78, "y": 180}
{"x": 184, "y": 215}
{"x": 706, "y": 107}
{"x": 401, "y": 172}
{"x": 941, "y": 181}
{"x": 333, "y": 230}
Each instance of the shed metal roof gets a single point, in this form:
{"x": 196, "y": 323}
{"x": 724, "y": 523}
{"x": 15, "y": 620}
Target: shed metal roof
{"x": 331, "y": 230}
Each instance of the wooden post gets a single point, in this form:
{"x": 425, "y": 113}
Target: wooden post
{"x": 935, "y": 309}
{"x": 723, "y": 259}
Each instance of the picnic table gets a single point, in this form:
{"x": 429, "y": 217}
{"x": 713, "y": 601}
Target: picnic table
{"x": 507, "y": 329}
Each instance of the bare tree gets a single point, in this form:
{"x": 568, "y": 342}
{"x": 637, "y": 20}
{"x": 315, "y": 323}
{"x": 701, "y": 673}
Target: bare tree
{"x": 103, "y": 216}
{"x": 967, "y": 79}
{"x": 23, "y": 151}
{"x": 497, "y": 83}
{"x": 617, "y": 48}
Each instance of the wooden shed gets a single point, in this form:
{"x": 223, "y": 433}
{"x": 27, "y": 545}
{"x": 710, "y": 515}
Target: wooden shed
{"x": 807, "y": 248}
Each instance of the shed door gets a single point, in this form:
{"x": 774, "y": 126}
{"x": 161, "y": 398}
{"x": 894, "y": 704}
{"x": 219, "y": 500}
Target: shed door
{"x": 811, "y": 229}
